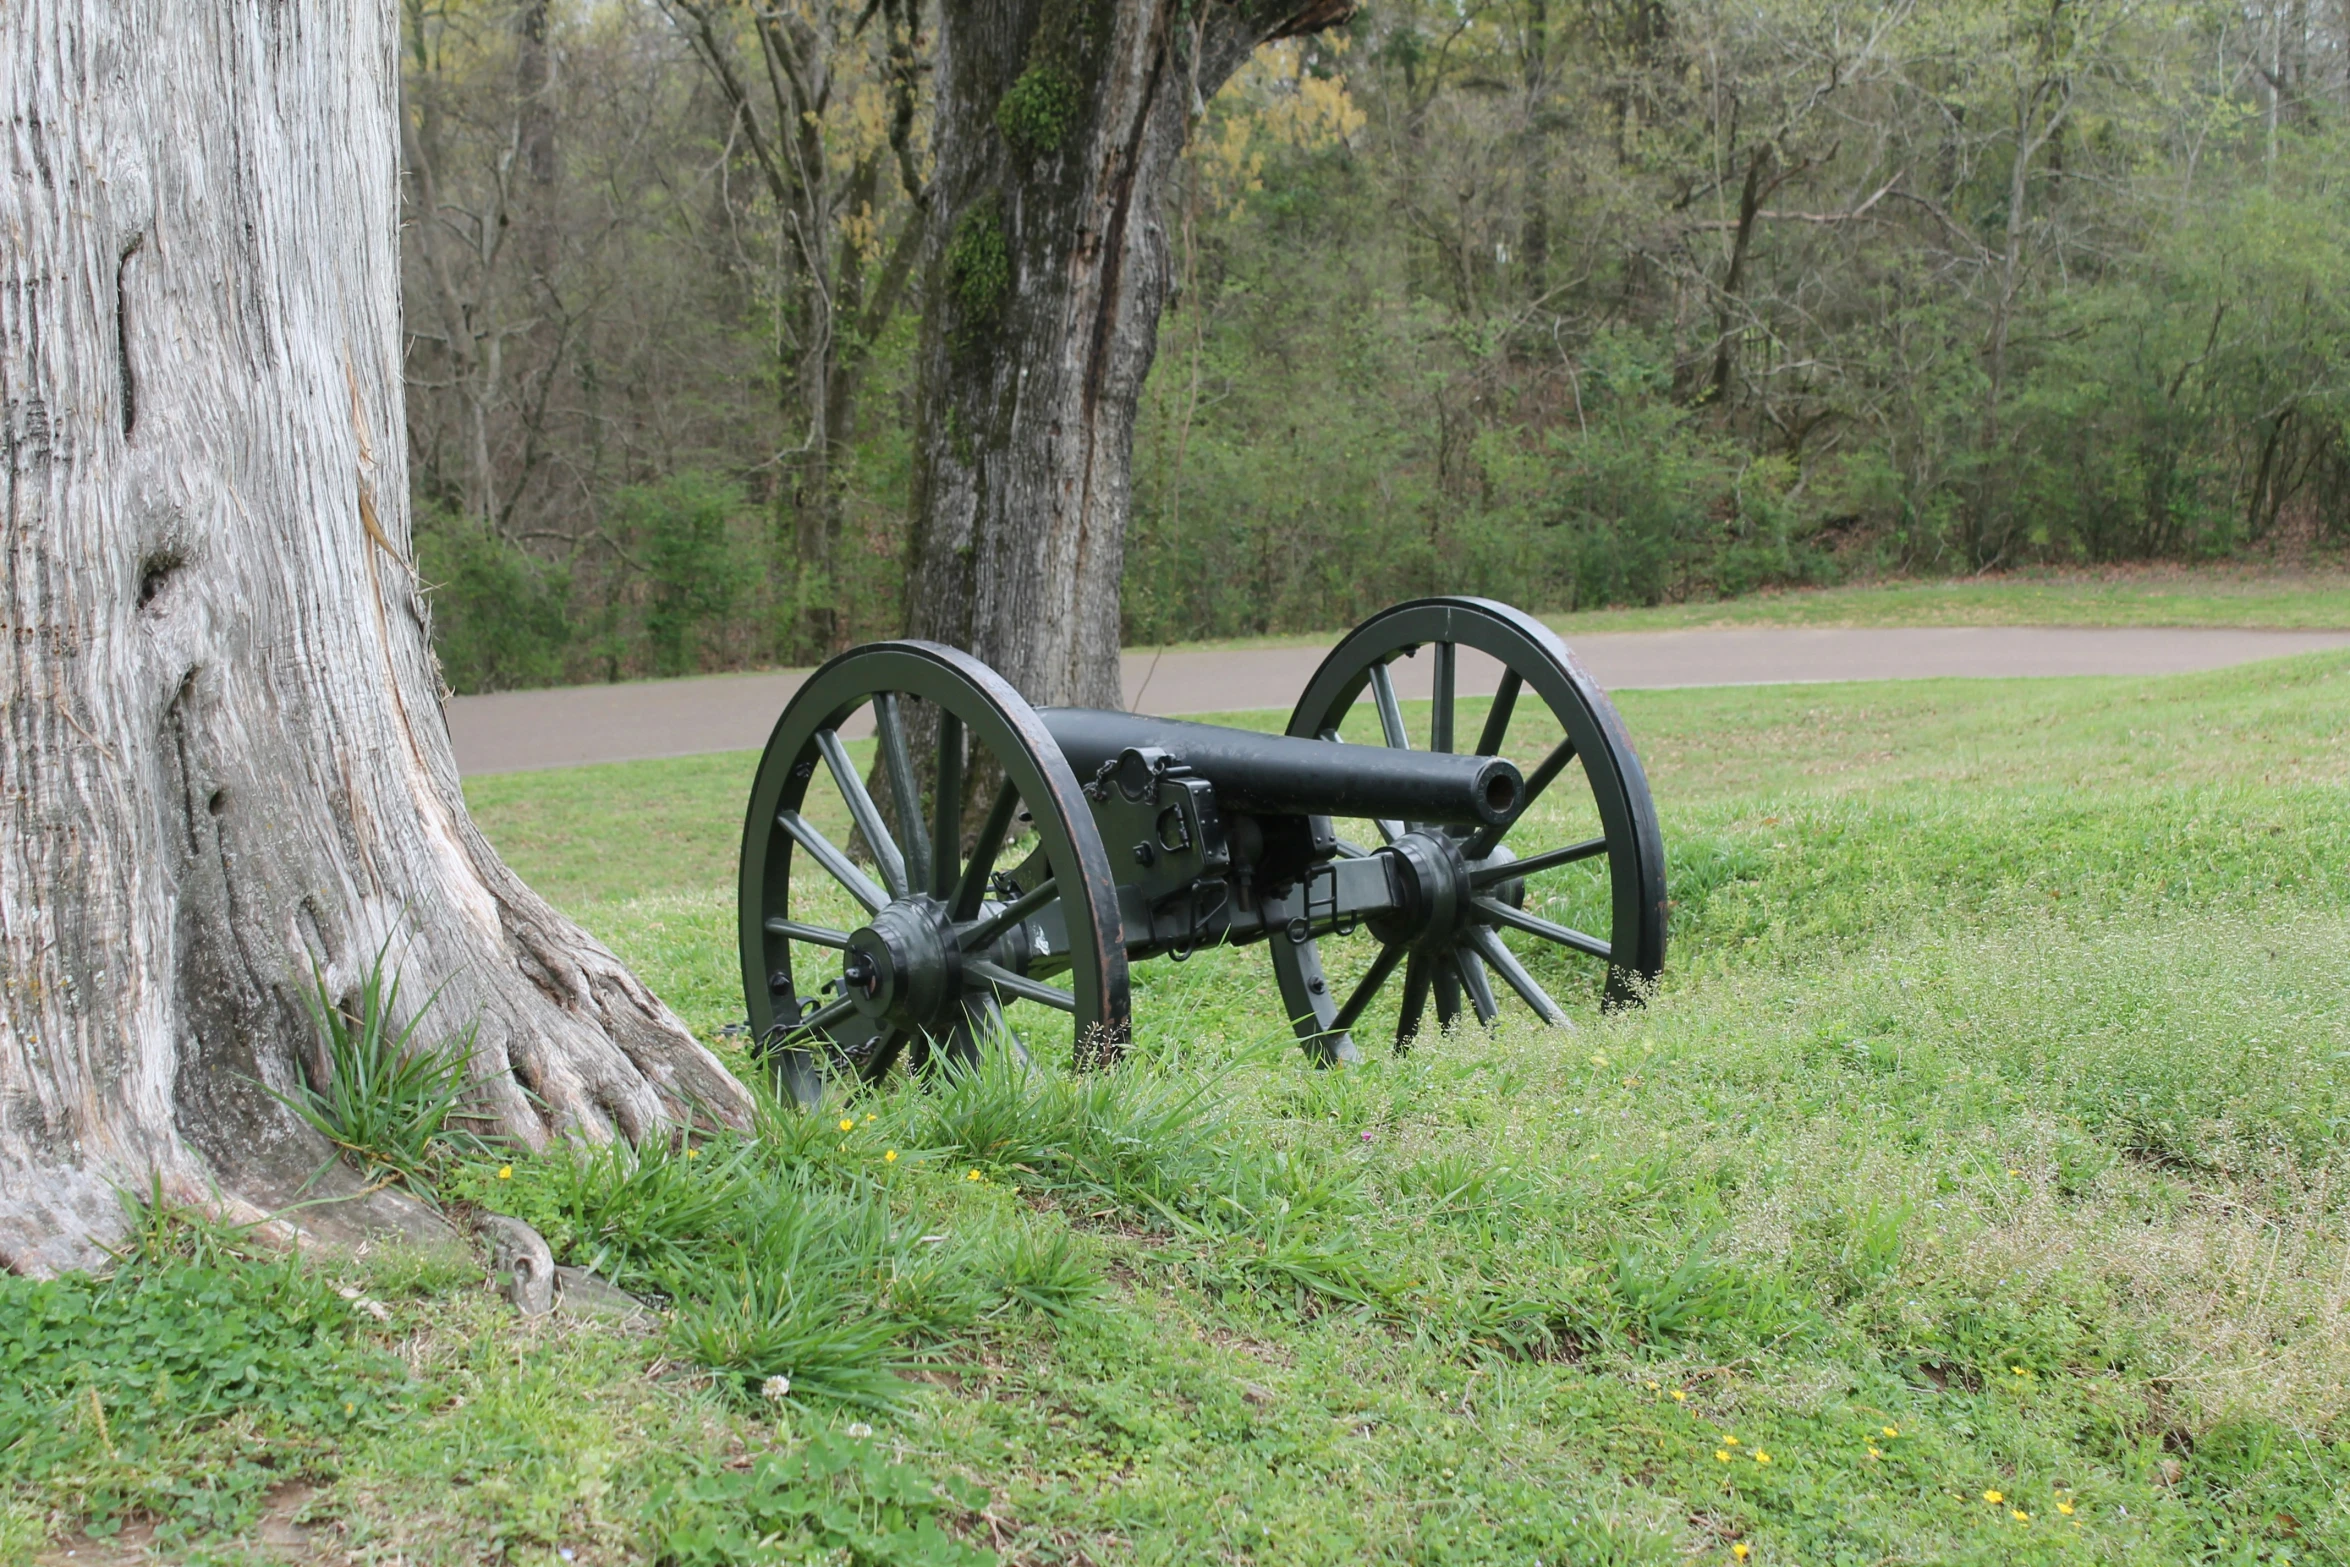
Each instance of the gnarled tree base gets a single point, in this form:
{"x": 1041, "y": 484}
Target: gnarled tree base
{"x": 223, "y": 767}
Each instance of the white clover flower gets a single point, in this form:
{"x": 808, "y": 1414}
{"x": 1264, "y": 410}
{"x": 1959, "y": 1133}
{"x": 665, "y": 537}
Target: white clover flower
{"x": 776, "y": 1387}
{"x": 860, "y": 1430}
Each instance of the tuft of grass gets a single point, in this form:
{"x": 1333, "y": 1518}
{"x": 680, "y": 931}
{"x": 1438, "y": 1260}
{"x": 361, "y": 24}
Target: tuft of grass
{"x": 389, "y": 1097}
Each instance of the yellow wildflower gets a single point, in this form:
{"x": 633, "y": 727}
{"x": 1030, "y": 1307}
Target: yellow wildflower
{"x": 1740, "y": 1550}
{"x": 890, "y": 1157}
{"x": 1875, "y": 1452}
{"x": 1729, "y": 1441}
{"x": 1653, "y": 1386}
{"x": 693, "y": 1153}
{"x": 847, "y": 1125}
{"x": 1680, "y": 1397}
{"x": 1993, "y": 1497}
{"x": 2019, "y": 1371}
{"x": 973, "y": 1176}
{"x": 1721, "y": 1455}
{"x": 1761, "y": 1457}
{"x": 2021, "y": 1516}
{"x": 2065, "y": 1508}
{"x": 1891, "y": 1430}
{"x": 505, "y": 1172}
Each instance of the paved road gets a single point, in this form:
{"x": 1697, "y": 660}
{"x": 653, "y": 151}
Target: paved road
{"x": 516, "y": 731}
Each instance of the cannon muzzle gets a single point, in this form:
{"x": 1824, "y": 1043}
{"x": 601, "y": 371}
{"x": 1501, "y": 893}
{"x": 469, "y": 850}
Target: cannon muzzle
{"x": 1280, "y": 775}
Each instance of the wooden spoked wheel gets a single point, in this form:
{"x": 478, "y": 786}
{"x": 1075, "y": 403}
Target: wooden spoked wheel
{"x": 849, "y": 970}
{"x": 1488, "y": 912}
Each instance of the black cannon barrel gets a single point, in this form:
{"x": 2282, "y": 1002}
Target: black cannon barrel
{"x": 1281, "y": 775}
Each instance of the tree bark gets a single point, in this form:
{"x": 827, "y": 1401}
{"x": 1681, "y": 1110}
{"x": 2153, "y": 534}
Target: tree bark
{"x": 1059, "y": 123}
{"x": 222, "y": 759}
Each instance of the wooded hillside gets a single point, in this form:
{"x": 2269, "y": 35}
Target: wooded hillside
{"x": 1596, "y": 301}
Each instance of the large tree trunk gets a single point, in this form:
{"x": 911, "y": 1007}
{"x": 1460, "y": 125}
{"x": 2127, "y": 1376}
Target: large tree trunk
{"x": 1059, "y": 122}
{"x": 222, "y": 756}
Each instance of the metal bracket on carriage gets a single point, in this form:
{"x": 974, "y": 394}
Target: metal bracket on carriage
{"x": 1136, "y": 771}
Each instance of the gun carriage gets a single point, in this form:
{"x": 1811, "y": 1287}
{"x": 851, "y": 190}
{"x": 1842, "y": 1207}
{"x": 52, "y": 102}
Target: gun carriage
{"x": 1074, "y": 842}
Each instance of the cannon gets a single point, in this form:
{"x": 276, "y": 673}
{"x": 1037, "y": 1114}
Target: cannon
{"x": 998, "y": 856}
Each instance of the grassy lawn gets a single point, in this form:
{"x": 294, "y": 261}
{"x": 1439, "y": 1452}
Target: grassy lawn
{"x": 2275, "y": 599}
{"x": 1972, "y": 1191}
{"x": 2122, "y": 597}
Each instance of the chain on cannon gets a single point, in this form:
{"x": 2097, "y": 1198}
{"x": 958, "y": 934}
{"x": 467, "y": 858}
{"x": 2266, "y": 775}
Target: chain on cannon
{"x": 1023, "y": 858}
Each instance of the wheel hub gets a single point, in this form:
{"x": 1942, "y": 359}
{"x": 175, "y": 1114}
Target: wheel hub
{"x": 1431, "y": 882}
{"x": 1435, "y": 900}
{"x": 904, "y": 967}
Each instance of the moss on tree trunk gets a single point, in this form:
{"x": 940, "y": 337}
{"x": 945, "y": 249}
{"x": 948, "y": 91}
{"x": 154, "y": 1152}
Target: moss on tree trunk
{"x": 1059, "y": 123}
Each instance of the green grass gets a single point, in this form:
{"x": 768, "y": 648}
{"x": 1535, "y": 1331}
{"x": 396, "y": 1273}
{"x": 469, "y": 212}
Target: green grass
{"x": 1998, "y": 1094}
{"x": 2275, "y": 599}
{"x": 2205, "y": 596}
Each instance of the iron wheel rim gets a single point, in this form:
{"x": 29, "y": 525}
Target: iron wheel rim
{"x": 1536, "y": 661}
{"x": 800, "y": 1028}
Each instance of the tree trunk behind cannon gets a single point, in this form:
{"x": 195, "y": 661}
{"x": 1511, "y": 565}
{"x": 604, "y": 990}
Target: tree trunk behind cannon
{"x": 1059, "y": 123}
{"x": 222, "y": 755}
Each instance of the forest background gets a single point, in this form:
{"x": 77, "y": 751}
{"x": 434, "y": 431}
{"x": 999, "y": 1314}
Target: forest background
{"x": 1568, "y": 301}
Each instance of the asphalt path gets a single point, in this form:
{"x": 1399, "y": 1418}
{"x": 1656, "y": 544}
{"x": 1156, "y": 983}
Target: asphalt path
{"x": 520, "y": 731}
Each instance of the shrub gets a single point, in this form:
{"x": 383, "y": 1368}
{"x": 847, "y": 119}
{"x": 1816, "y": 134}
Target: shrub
{"x": 500, "y": 618}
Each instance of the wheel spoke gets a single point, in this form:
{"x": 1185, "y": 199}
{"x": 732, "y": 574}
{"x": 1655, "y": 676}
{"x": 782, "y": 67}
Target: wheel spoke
{"x": 1011, "y": 984}
{"x": 890, "y": 727}
{"x": 863, "y": 812}
{"x": 842, "y": 869}
{"x": 820, "y": 1019}
{"x": 981, "y": 1015}
{"x": 1448, "y": 991}
{"x": 1365, "y": 988}
{"x": 1539, "y": 779}
{"x": 1480, "y": 989}
{"x": 1501, "y": 913}
{"x": 946, "y": 808}
{"x": 1497, "y": 718}
{"x": 1415, "y": 1000}
{"x": 1548, "y": 860}
{"x": 971, "y": 938}
{"x": 972, "y": 889}
{"x": 1390, "y": 710}
{"x": 814, "y": 935}
{"x": 1388, "y": 831}
{"x": 1505, "y": 963}
{"x": 869, "y": 1042}
{"x": 1536, "y": 781}
{"x": 1440, "y": 719}
{"x": 881, "y": 1052}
